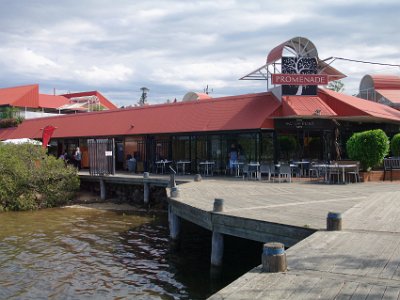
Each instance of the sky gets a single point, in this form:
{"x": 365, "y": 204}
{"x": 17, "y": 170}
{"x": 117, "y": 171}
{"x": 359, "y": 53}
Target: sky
{"x": 174, "y": 47}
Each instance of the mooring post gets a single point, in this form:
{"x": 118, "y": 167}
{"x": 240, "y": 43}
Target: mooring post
{"x": 102, "y": 189}
{"x": 334, "y": 221}
{"x": 274, "y": 258}
{"x": 217, "y": 242}
{"x": 174, "y": 223}
{"x": 197, "y": 177}
{"x": 175, "y": 193}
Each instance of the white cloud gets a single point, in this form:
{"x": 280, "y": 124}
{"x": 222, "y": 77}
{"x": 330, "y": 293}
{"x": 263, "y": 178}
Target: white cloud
{"x": 24, "y": 60}
{"x": 175, "y": 46}
{"x": 104, "y": 75}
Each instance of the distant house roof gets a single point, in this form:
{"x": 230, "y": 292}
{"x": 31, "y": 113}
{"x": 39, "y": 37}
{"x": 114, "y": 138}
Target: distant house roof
{"x": 28, "y": 96}
{"x": 51, "y": 101}
{"x": 20, "y": 96}
{"x": 103, "y": 100}
{"x": 381, "y": 88}
{"x": 389, "y": 82}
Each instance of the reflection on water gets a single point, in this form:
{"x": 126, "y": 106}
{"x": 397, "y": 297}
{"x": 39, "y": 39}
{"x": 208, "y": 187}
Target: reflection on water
{"x": 85, "y": 254}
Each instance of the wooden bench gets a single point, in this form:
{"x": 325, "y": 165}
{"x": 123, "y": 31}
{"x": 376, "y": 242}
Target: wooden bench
{"x": 390, "y": 164}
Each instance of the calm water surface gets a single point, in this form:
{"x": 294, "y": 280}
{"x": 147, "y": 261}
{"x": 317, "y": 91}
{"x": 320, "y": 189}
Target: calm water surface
{"x": 70, "y": 253}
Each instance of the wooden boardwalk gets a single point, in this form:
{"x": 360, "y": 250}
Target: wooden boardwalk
{"x": 360, "y": 262}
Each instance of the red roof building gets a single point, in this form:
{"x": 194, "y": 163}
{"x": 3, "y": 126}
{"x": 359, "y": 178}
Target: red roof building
{"x": 32, "y": 104}
{"x": 201, "y": 128}
{"x": 381, "y": 88}
{"x": 250, "y": 120}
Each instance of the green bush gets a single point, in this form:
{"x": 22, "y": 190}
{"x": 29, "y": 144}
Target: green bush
{"x": 368, "y": 147}
{"x": 395, "y": 145}
{"x": 30, "y": 179}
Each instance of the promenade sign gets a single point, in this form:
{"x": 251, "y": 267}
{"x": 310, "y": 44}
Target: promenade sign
{"x": 300, "y": 79}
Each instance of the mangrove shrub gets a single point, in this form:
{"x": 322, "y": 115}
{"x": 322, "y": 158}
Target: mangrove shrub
{"x": 369, "y": 147}
{"x": 30, "y": 179}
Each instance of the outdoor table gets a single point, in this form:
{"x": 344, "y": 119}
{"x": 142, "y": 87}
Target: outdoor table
{"x": 162, "y": 164}
{"x": 237, "y": 164}
{"x": 207, "y": 164}
{"x": 183, "y": 164}
{"x": 256, "y": 166}
{"x": 336, "y": 166}
{"x": 301, "y": 163}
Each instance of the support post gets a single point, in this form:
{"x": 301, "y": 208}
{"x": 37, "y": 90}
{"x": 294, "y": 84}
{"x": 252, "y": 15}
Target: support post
{"x": 334, "y": 221}
{"x": 274, "y": 258}
{"x": 146, "y": 193}
{"x": 217, "y": 242}
{"x": 102, "y": 189}
{"x": 174, "y": 223}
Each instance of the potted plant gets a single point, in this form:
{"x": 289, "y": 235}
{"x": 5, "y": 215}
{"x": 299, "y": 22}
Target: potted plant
{"x": 370, "y": 148}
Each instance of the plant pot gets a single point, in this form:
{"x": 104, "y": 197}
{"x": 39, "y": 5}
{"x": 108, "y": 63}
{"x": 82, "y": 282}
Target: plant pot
{"x": 373, "y": 176}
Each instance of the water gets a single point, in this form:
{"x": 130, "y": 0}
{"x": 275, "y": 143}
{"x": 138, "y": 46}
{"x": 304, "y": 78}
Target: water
{"x": 85, "y": 254}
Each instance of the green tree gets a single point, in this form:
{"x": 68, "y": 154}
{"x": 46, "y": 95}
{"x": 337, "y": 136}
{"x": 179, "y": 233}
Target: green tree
{"x": 368, "y": 147}
{"x": 337, "y": 86}
{"x": 395, "y": 145}
{"x": 30, "y": 179}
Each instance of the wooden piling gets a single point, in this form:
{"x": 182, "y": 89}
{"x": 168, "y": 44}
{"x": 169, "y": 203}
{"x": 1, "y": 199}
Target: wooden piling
{"x": 197, "y": 177}
{"x": 274, "y": 258}
{"x": 174, "y": 223}
{"x": 146, "y": 193}
{"x": 102, "y": 189}
{"x": 334, "y": 221}
{"x": 217, "y": 242}
{"x": 218, "y": 205}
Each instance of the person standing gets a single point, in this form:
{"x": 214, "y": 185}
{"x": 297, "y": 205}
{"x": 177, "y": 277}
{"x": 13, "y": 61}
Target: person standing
{"x": 233, "y": 157}
{"x": 78, "y": 158}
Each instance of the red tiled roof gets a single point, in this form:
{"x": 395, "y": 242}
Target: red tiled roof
{"x": 222, "y": 114}
{"x": 392, "y": 95}
{"x": 20, "y": 96}
{"x": 103, "y": 100}
{"x": 51, "y": 101}
{"x": 346, "y": 106}
{"x": 297, "y": 106}
{"x": 6, "y": 132}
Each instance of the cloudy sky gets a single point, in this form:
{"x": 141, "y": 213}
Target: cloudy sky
{"x": 173, "y": 47}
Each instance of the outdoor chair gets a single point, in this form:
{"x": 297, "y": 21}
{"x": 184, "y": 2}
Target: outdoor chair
{"x": 285, "y": 172}
{"x": 266, "y": 169}
{"x": 314, "y": 171}
{"x": 353, "y": 175}
{"x": 245, "y": 171}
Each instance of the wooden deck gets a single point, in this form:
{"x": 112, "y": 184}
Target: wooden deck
{"x": 360, "y": 262}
